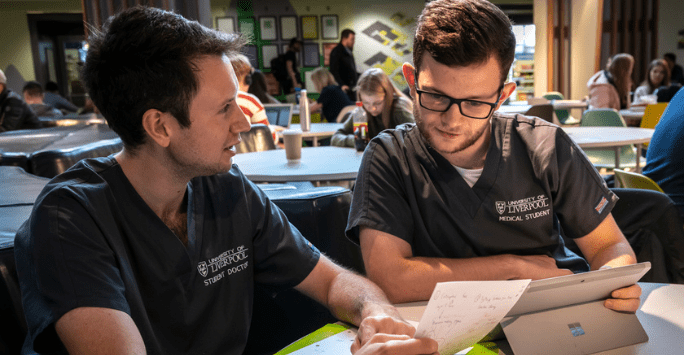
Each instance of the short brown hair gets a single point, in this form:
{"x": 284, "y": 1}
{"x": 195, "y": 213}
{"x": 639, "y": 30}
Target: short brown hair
{"x": 464, "y": 32}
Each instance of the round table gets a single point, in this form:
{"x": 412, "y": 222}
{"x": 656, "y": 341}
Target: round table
{"x": 611, "y": 137}
{"x": 318, "y": 130}
{"x": 316, "y": 164}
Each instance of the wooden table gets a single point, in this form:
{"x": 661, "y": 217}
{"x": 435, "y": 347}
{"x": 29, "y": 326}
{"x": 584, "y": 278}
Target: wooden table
{"x": 611, "y": 137}
{"x": 316, "y": 164}
{"x": 318, "y": 130}
{"x": 661, "y": 314}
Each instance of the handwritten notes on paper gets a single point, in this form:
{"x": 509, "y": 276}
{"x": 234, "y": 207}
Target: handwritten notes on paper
{"x": 461, "y": 313}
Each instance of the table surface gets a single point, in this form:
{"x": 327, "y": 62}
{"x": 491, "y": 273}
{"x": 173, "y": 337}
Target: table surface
{"x": 605, "y": 137}
{"x": 632, "y": 114}
{"x": 317, "y": 164}
{"x": 661, "y": 314}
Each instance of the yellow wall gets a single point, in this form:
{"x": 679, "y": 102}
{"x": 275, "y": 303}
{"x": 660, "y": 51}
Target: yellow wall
{"x": 15, "y": 41}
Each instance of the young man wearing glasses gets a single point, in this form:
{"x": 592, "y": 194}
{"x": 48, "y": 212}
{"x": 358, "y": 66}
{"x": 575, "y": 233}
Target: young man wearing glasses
{"x": 470, "y": 194}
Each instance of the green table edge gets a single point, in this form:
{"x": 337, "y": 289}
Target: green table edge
{"x": 328, "y": 330}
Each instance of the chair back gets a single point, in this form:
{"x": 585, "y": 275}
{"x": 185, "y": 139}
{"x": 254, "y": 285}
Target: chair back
{"x": 562, "y": 115}
{"x": 543, "y": 111}
{"x": 257, "y": 139}
{"x": 604, "y": 117}
{"x": 607, "y": 117}
{"x": 652, "y": 115}
{"x": 321, "y": 215}
{"x": 632, "y": 180}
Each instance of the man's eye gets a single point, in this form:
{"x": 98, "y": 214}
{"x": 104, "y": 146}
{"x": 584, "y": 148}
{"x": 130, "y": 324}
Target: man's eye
{"x": 436, "y": 97}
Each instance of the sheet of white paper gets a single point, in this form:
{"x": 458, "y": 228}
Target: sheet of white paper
{"x": 338, "y": 344}
{"x": 461, "y": 313}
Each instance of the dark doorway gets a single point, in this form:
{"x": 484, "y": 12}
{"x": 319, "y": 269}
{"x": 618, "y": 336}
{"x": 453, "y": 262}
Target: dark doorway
{"x": 58, "y": 46}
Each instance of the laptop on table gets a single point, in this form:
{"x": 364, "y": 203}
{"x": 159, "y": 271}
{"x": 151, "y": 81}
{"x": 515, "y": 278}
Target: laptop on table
{"x": 279, "y": 114}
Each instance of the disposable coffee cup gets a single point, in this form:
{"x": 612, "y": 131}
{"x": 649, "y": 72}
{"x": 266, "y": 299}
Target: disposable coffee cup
{"x": 293, "y": 144}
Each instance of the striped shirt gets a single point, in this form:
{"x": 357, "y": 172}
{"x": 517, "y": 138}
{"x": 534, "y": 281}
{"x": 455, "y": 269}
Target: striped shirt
{"x": 252, "y": 108}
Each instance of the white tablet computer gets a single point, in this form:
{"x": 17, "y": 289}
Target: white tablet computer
{"x": 565, "y": 315}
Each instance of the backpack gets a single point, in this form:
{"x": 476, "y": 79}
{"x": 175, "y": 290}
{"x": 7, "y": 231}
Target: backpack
{"x": 278, "y": 67}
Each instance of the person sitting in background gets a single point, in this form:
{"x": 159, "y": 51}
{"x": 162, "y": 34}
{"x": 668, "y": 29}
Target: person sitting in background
{"x": 52, "y": 97}
{"x": 332, "y": 99}
{"x": 658, "y": 75}
{"x": 251, "y": 105}
{"x": 259, "y": 88}
{"x": 33, "y": 95}
{"x": 386, "y": 107}
{"x": 676, "y": 71}
{"x": 610, "y": 88}
{"x": 15, "y": 113}
{"x": 665, "y": 154}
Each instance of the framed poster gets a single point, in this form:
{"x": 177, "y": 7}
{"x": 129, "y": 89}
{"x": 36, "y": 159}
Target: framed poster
{"x": 309, "y": 27}
{"x": 246, "y": 26}
{"x": 327, "y": 48}
{"x": 267, "y": 28}
{"x": 250, "y": 51}
{"x": 312, "y": 56}
{"x": 329, "y": 26}
{"x": 268, "y": 52}
{"x": 288, "y": 27}
{"x": 225, "y": 24}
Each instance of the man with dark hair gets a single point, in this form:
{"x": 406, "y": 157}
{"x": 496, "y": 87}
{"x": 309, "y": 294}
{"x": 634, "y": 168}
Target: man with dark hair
{"x": 292, "y": 78}
{"x": 156, "y": 249}
{"x": 15, "y": 113}
{"x": 676, "y": 71}
{"x": 33, "y": 95}
{"x": 467, "y": 193}
{"x": 342, "y": 65}
{"x": 53, "y": 98}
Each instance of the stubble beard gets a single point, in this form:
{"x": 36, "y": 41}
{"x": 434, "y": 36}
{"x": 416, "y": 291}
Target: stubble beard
{"x": 424, "y": 129}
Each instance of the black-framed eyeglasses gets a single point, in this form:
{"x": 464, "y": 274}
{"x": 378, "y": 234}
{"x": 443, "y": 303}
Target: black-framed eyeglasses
{"x": 469, "y": 108}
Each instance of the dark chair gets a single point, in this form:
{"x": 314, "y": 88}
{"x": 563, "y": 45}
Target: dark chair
{"x": 281, "y": 318}
{"x": 50, "y": 151}
{"x": 50, "y": 163}
{"x": 259, "y": 138}
{"x": 651, "y": 223}
{"x": 19, "y": 190}
{"x": 543, "y": 111}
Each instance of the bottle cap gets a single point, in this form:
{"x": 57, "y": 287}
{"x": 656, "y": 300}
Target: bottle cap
{"x": 359, "y": 103}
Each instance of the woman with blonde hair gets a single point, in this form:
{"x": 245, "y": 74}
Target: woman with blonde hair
{"x": 610, "y": 88}
{"x": 385, "y": 106}
{"x": 332, "y": 99}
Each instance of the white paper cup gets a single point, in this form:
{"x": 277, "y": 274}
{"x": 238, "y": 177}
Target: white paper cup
{"x": 293, "y": 144}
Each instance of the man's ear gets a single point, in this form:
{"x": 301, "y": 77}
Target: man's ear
{"x": 410, "y": 75}
{"x": 156, "y": 124}
{"x": 506, "y": 92}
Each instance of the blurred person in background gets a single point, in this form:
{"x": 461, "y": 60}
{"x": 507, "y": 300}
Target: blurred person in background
{"x": 342, "y": 64}
{"x": 260, "y": 89}
{"x": 15, "y": 113}
{"x": 332, "y": 99}
{"x": 658, "y": 75}
{"x": 33, "y": 95}
{"x": 52, "y": 97}
{"x": 676, "y": 71}
{"x": 611, "y": 88}
{"x": 385, "y": 106}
